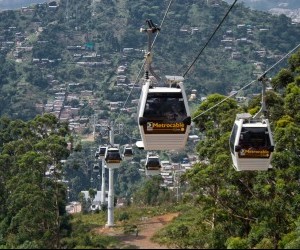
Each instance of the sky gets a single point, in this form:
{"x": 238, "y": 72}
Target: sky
{"x": 269, "y": 4}
{"x": 254, "y": 4}
{"x": 16, "y": 4}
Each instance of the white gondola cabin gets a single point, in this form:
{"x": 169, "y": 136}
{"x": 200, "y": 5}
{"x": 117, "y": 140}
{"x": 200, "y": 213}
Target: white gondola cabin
{"x": 152, "y": 165}
{"x": 102, "y": 150}
{"x": 96, "y": 168}
{"x": 127, "y": 153}
{"x": 251, "y": 144}
{"x": 163, "y": 117}
{"x": 112, "y": 158}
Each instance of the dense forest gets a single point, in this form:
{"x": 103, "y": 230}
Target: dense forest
{"x": 219, "y": 207}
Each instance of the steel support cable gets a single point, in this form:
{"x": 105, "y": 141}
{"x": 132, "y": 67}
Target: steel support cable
{"x": 138, "y": 76}
{"x": 130, "y": 137}
{"x": 262, "y": 75}
{"x": 167, "y": 11}
{"x": 210, "y": 38}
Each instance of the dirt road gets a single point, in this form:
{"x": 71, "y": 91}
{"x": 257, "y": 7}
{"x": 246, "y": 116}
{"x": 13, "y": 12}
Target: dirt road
{"x": 146, "y": 229}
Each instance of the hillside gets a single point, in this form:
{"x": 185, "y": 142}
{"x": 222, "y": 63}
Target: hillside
{"x": 17, "y": 4}
{"x": 266, "y": 5}
{"x": 80, "y": 62}
{"x": 46, "y": 48}
{"x": 77, "y": 65}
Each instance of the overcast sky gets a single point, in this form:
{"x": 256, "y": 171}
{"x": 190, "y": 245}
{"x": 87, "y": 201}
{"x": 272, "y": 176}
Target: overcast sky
{"x": 16, "y": 4}
{"x": 255, "y": 4}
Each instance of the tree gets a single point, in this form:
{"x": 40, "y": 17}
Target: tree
{"x": 206, "y": 119}
{"x": 294, "y": 61}
{"x": 245, "y": 209}
{"x": 92, "y": 193}
{"x": 237, "y": 243}
{"x": 282, "y": 79}
{"x": 33, "y": 205}
{"x": 292, "y": 103}
{"x": 150, "y": 192}
{"x": 36, "y": 77}
{"x": 291, "y": 240}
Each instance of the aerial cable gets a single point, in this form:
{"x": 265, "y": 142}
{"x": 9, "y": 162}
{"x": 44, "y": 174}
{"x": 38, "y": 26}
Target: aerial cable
{"x": 166, "y": 13}
{"x": 130, "y": 137}
{"x": 152, "y": 28}
{"x": 150, "y": 23}
{"x": 279, "y": 61}
{"x": 223, "y": 100}
{"x": 260, "y": 77}
{"x": 131, "y": 89}
{"x": 209, "y": 39}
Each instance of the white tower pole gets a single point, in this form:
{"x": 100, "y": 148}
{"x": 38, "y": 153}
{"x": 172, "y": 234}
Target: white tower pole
{"x": 103, "y": 201}
{"x": 110, "y": 215}
{"x": 110, "y": 209}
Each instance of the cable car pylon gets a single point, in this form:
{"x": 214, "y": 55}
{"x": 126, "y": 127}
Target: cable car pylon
{"x": 111, "y": 159}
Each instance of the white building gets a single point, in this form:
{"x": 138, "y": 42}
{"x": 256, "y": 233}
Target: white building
{"x": 96, "y": 202}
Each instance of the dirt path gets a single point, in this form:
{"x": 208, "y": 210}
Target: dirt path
{"x": 147, "y": 228}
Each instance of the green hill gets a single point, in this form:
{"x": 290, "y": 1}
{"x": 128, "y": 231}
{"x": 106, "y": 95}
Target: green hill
{"x": 104, "y": 28}
{"x": 74, "y": 49}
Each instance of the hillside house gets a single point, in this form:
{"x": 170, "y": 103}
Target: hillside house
{"x": 95, "y": 203}
{"x": 194, "y": 29}
{"x": 71, "y": 97}
{"x": 184, "y": 30}
{"x": 121, "y": 69}
{"x": 86, "y": 93}
{"x": 236, "y": 55}
{"x": 127, "y": 50}
{"x": 115, "y": 105}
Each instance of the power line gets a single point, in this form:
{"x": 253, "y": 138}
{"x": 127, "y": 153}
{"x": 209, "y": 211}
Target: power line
{"x": 263, "y": 74}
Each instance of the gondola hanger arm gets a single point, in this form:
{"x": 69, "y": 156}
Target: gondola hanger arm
{"x": 263, "y": 110}
{"x": 152, "y": 28}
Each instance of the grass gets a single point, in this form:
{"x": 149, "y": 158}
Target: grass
{"x": 85, "y": 233}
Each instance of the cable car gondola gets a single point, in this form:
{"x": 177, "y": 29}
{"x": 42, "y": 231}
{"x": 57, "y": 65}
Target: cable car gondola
{"x": 251, "y": 141}
{"x": 102, "y": 151}
{"x": 96, "y": 168}
{"x": 163, "y": 116}
{"x": 112, "y": 157}
{"x": 251, "y": 144}
{"x": 127, "y": 153}
{"x": 152, "y": 165}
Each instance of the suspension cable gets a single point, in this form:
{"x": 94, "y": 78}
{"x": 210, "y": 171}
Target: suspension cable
{"x": 152, "y": 45}
{"x": 167, "y": 11}
{"x": 263, "y": 74}
{"x": 210, "y": 38}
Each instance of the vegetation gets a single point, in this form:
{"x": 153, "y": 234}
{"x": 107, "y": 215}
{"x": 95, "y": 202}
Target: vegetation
{"x": 230, "y": 209}
{"x": 84, "y": 236}
{"x": 32, "y": 208}
{"x": 219, "y": 207}
{"x": 107, "y": 27}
